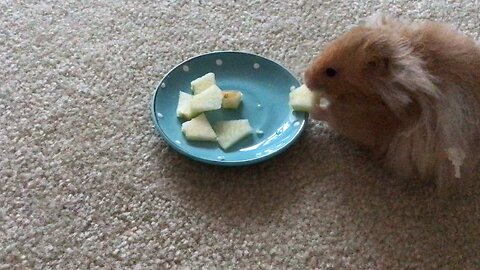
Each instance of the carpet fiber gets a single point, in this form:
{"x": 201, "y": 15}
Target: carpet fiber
{"x": 85, "y": 182}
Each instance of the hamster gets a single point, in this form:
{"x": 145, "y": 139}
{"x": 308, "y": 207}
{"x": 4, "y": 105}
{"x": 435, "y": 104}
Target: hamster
{"x": 408, "y": 91}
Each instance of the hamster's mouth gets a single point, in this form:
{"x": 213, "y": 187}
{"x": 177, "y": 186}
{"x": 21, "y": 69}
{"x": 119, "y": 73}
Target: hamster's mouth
{"x": 321, "y": 99}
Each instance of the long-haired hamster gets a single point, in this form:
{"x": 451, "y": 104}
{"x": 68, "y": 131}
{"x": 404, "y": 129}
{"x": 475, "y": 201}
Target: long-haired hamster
{"x": 408, "y": 91}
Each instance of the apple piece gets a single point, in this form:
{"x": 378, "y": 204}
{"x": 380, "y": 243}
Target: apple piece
{"x": 203, "y": 83}
{"x": 184, "y": 109}
{"x": 208, "y": 100}
{"x": 302, "y": 99}
{"x": 231, "y": 99}
{"x": 232, "y": 131}
{"x": 199, "y": 129}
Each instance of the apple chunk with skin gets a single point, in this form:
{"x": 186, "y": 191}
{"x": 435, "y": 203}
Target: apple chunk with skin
{"x": 231, "y": 99}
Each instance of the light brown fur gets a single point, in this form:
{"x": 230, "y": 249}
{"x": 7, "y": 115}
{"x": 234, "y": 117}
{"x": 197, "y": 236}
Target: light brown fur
{"x": 408, "y": 91}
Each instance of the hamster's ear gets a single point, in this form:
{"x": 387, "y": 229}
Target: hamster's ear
{"x": 380, "y": 53}
{"x": 378, "y": 65}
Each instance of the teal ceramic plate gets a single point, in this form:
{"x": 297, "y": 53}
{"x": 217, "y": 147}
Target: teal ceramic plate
{"x": 265, "y": 85}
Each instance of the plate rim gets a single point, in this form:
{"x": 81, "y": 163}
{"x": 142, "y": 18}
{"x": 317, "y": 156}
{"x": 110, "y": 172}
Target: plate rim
{"x": 226, "y": 163}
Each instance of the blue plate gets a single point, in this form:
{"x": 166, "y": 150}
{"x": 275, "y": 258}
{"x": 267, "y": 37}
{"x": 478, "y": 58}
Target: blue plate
{"x": 265, "y": 86}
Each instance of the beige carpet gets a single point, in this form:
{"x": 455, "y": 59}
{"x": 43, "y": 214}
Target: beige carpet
{"x": 86, "y": 183}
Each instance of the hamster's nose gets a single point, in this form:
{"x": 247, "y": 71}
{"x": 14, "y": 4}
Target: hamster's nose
{"x": 309, "y": 79}
{"x": 312, "y": 80}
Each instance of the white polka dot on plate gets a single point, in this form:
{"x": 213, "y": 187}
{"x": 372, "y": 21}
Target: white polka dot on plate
{"x": 186, "y": 68}
{"x": 163, "y": 85}
{"x": 292, "y": 88}
{"x": 256, "y": 66}
{"x": 219, "y": 62}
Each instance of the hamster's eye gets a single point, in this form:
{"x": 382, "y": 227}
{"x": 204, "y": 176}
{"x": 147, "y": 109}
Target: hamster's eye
{"x": 330, "y": 72}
